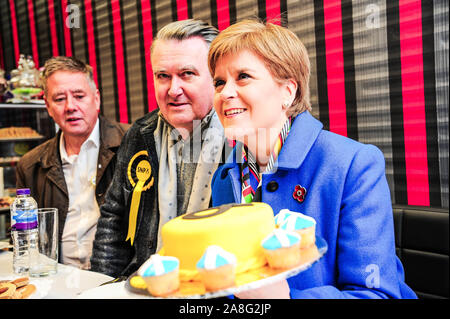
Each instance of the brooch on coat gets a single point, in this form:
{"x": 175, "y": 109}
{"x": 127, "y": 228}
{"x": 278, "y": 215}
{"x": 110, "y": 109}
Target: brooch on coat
{"x": 299, "y": 193}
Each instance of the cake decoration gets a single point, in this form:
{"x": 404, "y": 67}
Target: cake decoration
{"x": 215, "y": 257}
{"x": 297, "y": 221}
{"x": 304, "y": 225}
{"x": 161, "y": 275}
{"x": 282, "y": 249}
{"x": 217, "y": 268}
{"x": 210, "y": 212}
{"x": 280, "y": 238}
{"x": 282, "y": 215}
{"x": 158, "y": 265}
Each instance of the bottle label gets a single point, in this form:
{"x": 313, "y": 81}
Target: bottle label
{"x": 24, "y": 219}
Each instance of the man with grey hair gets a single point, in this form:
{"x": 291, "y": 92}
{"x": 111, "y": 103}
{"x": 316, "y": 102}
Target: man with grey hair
{"x": 168, "y": 157}
{"x": 73, "y": 170}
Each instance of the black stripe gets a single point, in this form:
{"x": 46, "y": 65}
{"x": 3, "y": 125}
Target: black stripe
{"x": 174, "y": 10}
{"x": 262, "y": 14}
{"x": 43, "y": 31}
{"x": 349, "y": 68}
{"x": 142, "y": 57}
{"x": 429, "y": 79}
{"x": 57, "y": 9}
{"x": 232, "y": 10}
{"x": 214, "y": 18}
{"x": 9, "y": 62}
{"x": 23, "y": 27}
{"x": 321, "y": 64}
{"x": 396, "y": 102}
{"x": 154, "y": 21}
{"x": 189, "y": 7}
{"x": 1, "y": 46}
{"x": 284, "y": 13}
{"x": 113, "y": 59}
{"x": 83, "y": 23}
{"x": 125, "y": 61}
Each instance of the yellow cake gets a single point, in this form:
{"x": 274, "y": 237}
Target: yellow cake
{"x": 236, "y": 228}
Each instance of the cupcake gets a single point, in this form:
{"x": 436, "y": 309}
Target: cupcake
{"x": 281, "y": 216}
{"x": 217, "y": 268}
{"x": 160, "y": 273}
{"x": 304, "y": 225}
{"x": 282, "y": 249}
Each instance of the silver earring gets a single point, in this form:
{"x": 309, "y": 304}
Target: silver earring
{"x": 286, "y": 104}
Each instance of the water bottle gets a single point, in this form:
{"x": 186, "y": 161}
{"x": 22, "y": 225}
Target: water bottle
{"x": 24, "y": 230}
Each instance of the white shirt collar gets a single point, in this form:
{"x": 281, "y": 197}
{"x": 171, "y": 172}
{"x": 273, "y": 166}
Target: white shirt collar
{"x": 94, "y": 138}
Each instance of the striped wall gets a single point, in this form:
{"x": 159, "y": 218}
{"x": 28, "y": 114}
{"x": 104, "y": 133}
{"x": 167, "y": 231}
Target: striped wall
{"x": 379, "y": 67}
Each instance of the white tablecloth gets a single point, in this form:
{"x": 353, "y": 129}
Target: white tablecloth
{"x": 68, "y": 283}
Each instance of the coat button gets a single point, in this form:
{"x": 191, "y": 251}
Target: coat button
{"x": 272, "y": 186}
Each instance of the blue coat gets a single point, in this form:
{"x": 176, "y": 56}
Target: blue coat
{"x": 348, "y": 195}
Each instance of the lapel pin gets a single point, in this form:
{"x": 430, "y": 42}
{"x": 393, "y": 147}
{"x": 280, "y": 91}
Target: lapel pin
{"x": 299, "y": 193}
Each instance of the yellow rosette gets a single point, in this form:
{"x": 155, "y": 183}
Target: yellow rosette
{"x": 139, "y": 172}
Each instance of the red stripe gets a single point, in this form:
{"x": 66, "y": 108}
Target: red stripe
{"x": 223, "y": 14}
{"x": 91, "y": 38}
{"x": 120, "y": 66}
{"x": 273, "y": 11}
{"x": 411, "y": 51}
{"x": 53, "y": 34}
{"x": 15, "y": 34}
{"x": 247, "y": 191}
{"x": 148, "y": 32}
{"x": 33, "y": 37}
{"x": 335, "y": 66}
{"x": 67, "y": 40}
{"x": 182, "y": 9}
{"x": 254, "y": 174}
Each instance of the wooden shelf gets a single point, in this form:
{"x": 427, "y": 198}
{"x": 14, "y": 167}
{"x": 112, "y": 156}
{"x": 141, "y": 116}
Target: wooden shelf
{"x": 22, "y": 105}
{"x": 21, "y": 139}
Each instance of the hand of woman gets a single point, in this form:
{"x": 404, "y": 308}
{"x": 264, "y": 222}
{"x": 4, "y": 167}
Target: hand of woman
{"x": 278, "y": 290}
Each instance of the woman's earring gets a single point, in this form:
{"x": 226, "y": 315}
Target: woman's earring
{"x": 286, "y": 104}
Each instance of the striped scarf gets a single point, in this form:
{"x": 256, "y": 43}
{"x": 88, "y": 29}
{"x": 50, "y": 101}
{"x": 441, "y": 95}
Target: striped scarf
{"x": 250, "y": 175}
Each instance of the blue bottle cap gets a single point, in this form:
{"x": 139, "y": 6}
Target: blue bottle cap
{"x": 23, "y": 191}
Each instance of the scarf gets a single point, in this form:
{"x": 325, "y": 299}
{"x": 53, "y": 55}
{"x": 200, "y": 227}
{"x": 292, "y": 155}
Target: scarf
{"x": 210, "y": 132}
{"x": 250, "y": 174}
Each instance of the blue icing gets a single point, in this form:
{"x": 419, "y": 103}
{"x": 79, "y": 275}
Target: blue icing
{"x": 168, "y": 265}
{"x": 272, "y": 242}
{"x": 220, "y": 261}
{"x": 201, "y": 262}
{"x": 281, "y": 217}
{"x": 217, "y": 257}
{"x": 300, "y": 223}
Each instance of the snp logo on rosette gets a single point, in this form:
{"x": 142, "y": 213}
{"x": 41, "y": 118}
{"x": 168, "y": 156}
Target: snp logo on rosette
{"x": 140, "y": 176}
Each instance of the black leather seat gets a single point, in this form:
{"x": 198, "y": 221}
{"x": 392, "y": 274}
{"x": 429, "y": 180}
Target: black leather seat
{"x": 421, "y": 239}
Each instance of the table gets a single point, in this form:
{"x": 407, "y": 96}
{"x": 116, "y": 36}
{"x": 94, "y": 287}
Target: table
{"x": 68, "y": 283}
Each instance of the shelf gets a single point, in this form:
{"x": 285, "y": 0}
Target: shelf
{"x": 39, "y": 105}
{"x": 21, "y": 139}
{"x": 8, "y": 161}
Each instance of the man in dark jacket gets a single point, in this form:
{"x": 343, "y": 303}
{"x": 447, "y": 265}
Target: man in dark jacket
{"x": 73, "y": 170}
{"x": 168, "y": 157}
